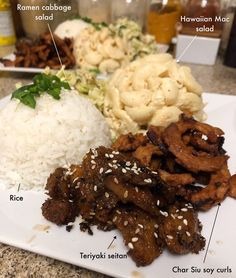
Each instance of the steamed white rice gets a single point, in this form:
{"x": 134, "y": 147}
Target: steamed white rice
{"x": 33, "y": 142}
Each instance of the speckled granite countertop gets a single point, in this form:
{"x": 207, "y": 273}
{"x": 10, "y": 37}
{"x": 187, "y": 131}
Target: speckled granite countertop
{"x": 22, "y": 264}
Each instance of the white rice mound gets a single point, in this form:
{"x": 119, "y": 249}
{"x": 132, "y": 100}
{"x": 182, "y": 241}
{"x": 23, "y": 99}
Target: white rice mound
{"x": 33, "y": 142}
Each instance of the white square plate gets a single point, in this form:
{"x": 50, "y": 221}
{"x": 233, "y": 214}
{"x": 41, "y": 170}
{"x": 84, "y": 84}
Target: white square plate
{"x": 19, "y": 222}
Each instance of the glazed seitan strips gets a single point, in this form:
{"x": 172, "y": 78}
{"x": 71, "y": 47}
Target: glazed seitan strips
{"x": 140, "y": 233}
{"x": 110, "y": 191}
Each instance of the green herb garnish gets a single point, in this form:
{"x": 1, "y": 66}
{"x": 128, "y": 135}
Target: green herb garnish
{"x": 97, "y": 25}
{"x": 94, "y": 71}
{"x": 42, "y": 83}
{"x": 120, "y": 30}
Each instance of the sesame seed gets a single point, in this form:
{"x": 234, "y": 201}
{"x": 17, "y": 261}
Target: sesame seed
{"x": 114, "y": 161}
{"x": 92, "y": 156}
{"x": 108, "y": 171}
{"x": 169, "y": 237}
{"x": 130, "y": 245}
{"x": 92, "y": 213}
{"x": 118, "y": 211}
{"x": 114, "y": 219}
{"x": 93, "y": 162}
{"x": 177, "y": 210}
{"x": 95, "y": 188}
{"x": 184, "y": 209}
{"x": 136, "y": 189}
{"x": 172, "y": 215}
{"x": 154, "y": 172}
{"x": 111, "y": 156}
{"x": 155, "y": 235}
{"x": 126, "y": 194}
{"x": 148, "y": 180}
{"x": 124, "y": 170}
{"x": 179, "y": 228}
{"x": 77, "y": 186}
{"x": 137, "y": 231}
{"x": 180, "y": 217}
{"x": 101, "y": 170}
{"x": 116, "y": 180}
{"x": 140, "y": 225}
{"x": 70, "y": 173}
{"x": 71, "y": 201}
{"x": 110, "y": 165}
{"x": 134, "y": 239}
{"x": 158, "y": 203}
{"x": 126, "y": 223}
{"x": 188, "y": 234}
{"x": 93, "y": 167}
{"x": 107, "y": 195}
{"x": 106, "y": 155}
{"x": 75, "y": 179}
{"x": 128, "y": 163}
{"x": 156, "y": 226}
{"x": 164, "y": 213}
{"x": 185, "y": 222}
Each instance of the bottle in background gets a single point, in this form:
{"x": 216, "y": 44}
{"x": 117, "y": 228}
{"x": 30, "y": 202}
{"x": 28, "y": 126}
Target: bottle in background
{"x": 16, "y": 19}
{"x": 32, "y": 27}
{"x": 60, "y": 16}
{"x": 7, "y": 33}
{"x": 97, "y": 10}
{"x": 230, "y": 55}
{"x": 229, "y": 7}
{"x": 207, "y": 9}
{"x": 131, "y": 9}
{"x": 162, "y": 18}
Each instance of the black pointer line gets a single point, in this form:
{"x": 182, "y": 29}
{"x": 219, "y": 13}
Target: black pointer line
{"x": 18, "y": 189}
{"x": 111, "y": 242}
{"x": 211, "y": 232}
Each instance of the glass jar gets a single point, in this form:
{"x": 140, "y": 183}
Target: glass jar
{"x": 131, "y": 9}
{"x": 230, "y": 57}
{"x": 33, "y": 28}
{"x": 7, "y": 33}
{"x": 229, "y": 12}
{"x": 202, "y": 9}
{"x": 69, "y": 10}
{"x": 97, "y": 10}
{"x": 162, "y": 19}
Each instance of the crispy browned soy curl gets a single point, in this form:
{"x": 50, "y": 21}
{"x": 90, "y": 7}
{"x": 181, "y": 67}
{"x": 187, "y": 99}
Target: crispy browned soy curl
{"x": 146, "y": 189}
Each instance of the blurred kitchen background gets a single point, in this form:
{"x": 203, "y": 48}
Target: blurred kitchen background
{"x": 158, "y": 17}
